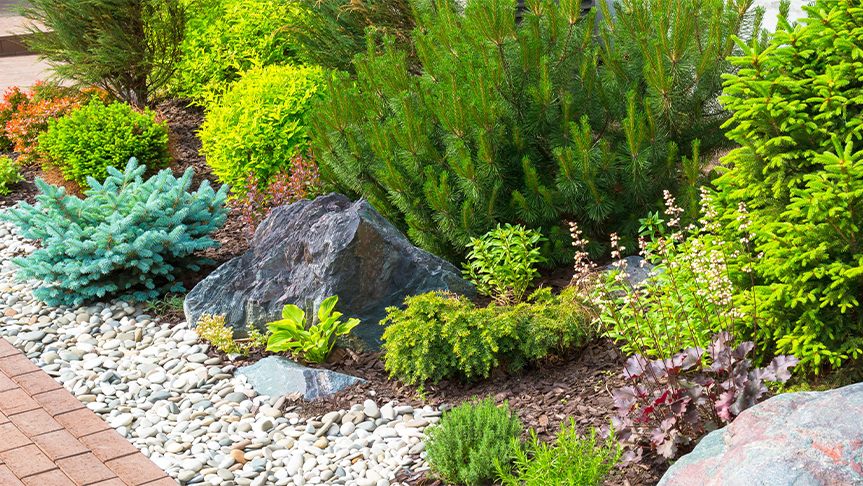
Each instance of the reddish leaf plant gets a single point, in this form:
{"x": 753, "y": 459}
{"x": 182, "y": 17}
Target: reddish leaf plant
{"x": 683, "y": 398}
{"x": 257, "y": 199}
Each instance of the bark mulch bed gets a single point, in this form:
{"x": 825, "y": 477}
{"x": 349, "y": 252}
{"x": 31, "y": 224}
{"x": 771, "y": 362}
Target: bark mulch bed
{"x": 576, "y": 386}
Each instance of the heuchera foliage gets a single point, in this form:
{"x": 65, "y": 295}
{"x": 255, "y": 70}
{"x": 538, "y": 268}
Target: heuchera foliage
{"x": 287, "y": 187}
{"x": 130, "y": 238}
{"x": 798, "y": 119}
{"x": 681, "y": 398}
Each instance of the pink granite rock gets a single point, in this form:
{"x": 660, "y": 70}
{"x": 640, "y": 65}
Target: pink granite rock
{"x": 793, "y": 439}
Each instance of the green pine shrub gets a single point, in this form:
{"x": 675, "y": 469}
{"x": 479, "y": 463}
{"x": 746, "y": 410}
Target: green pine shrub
{"x": 330, "y": 33}
{"x": 226, "y": 38}
{"x": 570, "y": 461}
{"x": 464, "y": 447}
{"x": 798, "y": 118}
{"x": 97, "y": 136}
{"x": 9, "y": 174}
{"x": 260, "y": 123}
{"x": 537, "y": 124}
{"x": 129, "y": 238}
{"x": 441, "y": 336}
{"x": 129, "y": 48}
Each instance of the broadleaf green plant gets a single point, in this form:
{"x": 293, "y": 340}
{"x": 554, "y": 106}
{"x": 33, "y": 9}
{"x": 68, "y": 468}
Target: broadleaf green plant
{"x": 315, "y": 343}
{"x": 503, "y": 262}
{"x": 9, "y": 174}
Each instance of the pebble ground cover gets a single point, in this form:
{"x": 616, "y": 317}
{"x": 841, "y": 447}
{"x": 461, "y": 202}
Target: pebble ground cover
{"x": 155, "y": 384}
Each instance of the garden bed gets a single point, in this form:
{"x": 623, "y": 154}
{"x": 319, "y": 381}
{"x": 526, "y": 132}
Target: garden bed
{"x": 544, "y": 396}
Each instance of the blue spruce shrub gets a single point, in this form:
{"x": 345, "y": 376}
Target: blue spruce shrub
{"x": 128, "y": 238}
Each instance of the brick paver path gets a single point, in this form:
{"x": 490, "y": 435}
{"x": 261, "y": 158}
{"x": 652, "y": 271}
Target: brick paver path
{"x": 49, "y": 438}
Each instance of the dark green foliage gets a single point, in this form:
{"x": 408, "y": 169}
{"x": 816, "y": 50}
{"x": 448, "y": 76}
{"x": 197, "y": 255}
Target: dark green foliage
{"x": 226, "y": 38}
{"x": 525, "y": 124}
{"x": 440, "y": 336}
{"x": 331, "y": 32}
{"x": 97, "y": 136}
{"x": 129, "y": 48}
{"x": 130, "y": 238}
{"x": 464, "y": 447}
{"x": 260, "y": 124}
{"x": 798, "y": 118}
{"x": 570, "y": 461}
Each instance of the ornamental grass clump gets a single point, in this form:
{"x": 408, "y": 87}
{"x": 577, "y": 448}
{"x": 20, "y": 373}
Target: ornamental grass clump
{"x": 129, "y": 238}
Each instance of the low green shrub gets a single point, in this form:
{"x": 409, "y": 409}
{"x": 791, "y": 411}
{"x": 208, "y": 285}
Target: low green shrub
{"x": 8, "y": 174}
{"x": 213, "y": 329}
{"x": 97, "y": 136}
{"x": 440, "y": 336}
{"x": 311, "y": 338}
{"x": 570, "y": 461}
{"x": 130, "y": 238}
{"x": 260, "y": 123}
{"x": 503, "y": 262}
{"x": 798, "y": 121}
{"x": 470, "y": 439}
{"x": 226, "y": 38}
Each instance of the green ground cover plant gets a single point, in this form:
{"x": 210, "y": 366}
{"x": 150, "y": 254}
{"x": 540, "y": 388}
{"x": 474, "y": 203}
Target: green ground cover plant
{"x": 470, "y": 439}
{"x": 569, "y": 461}
{"x": 128, "y": 48}
{"x": 89, "y": 140}
{"x": 226, "y": 38}
{"x": 799, "y": 123}
{"x": 441, "y": 336}
{"x": 129, "y": 238}
{"x": 536, "y": 124}
{"x": 260, "y": 124}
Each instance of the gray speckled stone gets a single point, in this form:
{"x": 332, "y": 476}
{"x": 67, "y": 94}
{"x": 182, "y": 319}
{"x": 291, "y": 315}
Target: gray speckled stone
{"x": 276, "y": 375}
{"x": 637, "y": 269}
{"x": 793, "y": 439}
{"x": 316, "y": 249}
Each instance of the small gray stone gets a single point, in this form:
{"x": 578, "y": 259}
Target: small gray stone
{"x": 276, "y": 375}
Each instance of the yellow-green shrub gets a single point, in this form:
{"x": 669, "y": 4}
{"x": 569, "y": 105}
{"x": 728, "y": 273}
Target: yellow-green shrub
{"x": 260, "y": 123}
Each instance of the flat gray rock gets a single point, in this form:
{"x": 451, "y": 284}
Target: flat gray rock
{"x": 276, "y": 375}
{"x": 637, "y": 269}
{"x": 792, "y": 439}
{"x": 316, "y": 249}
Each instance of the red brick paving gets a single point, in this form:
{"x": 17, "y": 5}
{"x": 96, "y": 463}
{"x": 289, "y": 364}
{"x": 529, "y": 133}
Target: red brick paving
{"x": 48, "y": 437}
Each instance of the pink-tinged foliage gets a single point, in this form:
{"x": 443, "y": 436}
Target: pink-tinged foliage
{"x": 257, "y": 200}
{"x": 681, "y": 398}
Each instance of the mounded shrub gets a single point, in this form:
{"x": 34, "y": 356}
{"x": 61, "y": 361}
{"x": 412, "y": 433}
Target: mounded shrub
{"x": 799, "y": 171}
{"x": 260, "y": 123}
{"x": 31, "y": 120}
{"x": 440, "y": 336}
{"x": 97, "y": 136}
{"x": 226, "y": 38}
{"x": 129, "y": 238}
{"x": 465, "y": 445}
{"x": 536, "y": 123}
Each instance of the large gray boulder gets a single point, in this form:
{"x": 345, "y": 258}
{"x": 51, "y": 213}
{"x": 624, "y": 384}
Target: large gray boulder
{"x": 315, "y": 249}
{"x": 275, "y": 375}
{"x": 799, "y": 439}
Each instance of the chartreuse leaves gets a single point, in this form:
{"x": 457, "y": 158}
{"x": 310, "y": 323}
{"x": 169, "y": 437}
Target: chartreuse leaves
{"x": 315, "y": 343}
